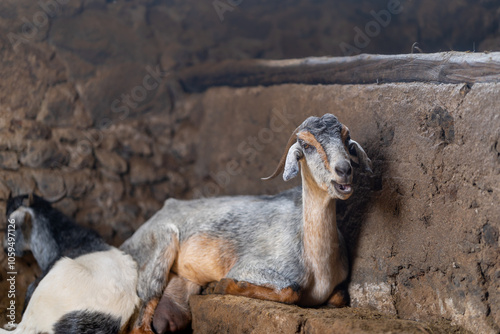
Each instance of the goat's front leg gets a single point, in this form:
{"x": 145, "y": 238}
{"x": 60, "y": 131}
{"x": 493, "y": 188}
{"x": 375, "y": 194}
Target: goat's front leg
{"x": 288, "y": 295}
{"x": 339, "y": 297}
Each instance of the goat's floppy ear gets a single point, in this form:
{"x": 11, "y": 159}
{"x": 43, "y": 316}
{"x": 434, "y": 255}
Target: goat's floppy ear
{"x": 292, "y": 162}
{"x": 281, "y": 165}
{"x": 358, "y": 155}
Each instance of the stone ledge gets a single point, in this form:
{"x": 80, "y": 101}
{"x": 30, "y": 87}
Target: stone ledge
{"x": 230, "y": 314}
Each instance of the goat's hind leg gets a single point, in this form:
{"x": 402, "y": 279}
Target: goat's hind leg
{"x": 172, "y": 312}
{"x": 229, "y": 286}
{"x": 259, "y": 283}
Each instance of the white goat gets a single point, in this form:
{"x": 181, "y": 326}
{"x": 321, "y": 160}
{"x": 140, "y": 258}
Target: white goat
{"x": 87, "y": 286}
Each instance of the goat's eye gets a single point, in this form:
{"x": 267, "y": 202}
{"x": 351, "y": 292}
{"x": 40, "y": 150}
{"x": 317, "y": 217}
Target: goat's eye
{"x": 307, "y": 147}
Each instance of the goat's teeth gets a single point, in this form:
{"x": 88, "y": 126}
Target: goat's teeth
{"x": 344, "y": 187}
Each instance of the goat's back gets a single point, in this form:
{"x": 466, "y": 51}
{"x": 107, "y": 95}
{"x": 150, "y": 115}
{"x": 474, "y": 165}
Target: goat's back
{"x": 255, "y": 231}
{"x": 100, "y": 285}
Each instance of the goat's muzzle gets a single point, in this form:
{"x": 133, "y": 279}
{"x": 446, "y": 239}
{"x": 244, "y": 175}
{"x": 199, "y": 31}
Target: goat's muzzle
{"x": 343, "y": 169}
{"x": 340, "y": 190}
{"x": 343, "y": 188}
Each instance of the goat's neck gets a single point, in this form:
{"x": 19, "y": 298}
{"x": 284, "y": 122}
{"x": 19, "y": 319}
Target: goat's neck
{"x": 321, "y": 237}
{"x": 44, "y": 246}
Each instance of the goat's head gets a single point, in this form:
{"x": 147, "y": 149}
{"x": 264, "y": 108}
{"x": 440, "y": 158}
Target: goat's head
{"x": 20, "y": 216}
{"x": 324, "y": 149}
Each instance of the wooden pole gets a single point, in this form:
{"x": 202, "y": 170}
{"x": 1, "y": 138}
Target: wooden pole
{"x": 445, "y": 67}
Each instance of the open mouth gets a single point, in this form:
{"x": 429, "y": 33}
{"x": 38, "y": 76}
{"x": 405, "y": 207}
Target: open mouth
{"x": 343, "y": 188}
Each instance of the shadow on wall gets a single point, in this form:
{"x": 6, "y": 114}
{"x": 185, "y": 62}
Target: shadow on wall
{"x": 352, "y": 213}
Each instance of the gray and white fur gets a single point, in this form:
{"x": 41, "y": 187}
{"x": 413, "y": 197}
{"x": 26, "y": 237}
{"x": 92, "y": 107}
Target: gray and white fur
{"x": 287, "y": 243}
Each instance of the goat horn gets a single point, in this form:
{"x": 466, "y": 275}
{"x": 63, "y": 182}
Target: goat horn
{"x": 281, "y": 164}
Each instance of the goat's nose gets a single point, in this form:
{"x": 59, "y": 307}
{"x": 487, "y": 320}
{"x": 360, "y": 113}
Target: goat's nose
{"x": 343, "y": 169}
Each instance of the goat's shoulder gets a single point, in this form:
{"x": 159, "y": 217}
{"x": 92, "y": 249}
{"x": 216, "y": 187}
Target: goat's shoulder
{"x": 79, "y": 240}
{"x": 294, "y": 195}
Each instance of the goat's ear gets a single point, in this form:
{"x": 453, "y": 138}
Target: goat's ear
{"x": 292, "y": 162}
{"x": 358, "y": 155}
{"x": 27, "y": 224}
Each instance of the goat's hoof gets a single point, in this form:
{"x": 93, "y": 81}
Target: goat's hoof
{"x": 170, "y": 317}
{"x": 339, "y": 298}
{"x": 209, "y": 289}
{"x": 222, "y": 286}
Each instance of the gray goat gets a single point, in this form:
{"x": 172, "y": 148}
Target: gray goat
{"x": 284, "y": 247}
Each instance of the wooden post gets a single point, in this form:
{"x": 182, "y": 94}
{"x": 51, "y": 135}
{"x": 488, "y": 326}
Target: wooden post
{"x": 445, "y": 67}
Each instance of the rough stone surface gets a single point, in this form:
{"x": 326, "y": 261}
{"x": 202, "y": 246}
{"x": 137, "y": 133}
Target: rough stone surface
{"x": 8, "y": 160}
{"x": 50, "y": 184}
{"x": 19, "y": 182}
{"x": 229, "y": 314}
{"x": 111, "y": 161}
{"x": 143, "y": 171}
{"x": 44, "y": 154}
{"x": 57, "y": 107}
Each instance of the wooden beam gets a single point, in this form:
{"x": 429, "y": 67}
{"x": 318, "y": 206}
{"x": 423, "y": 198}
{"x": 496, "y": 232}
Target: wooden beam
{"x": 445, "y": 67}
